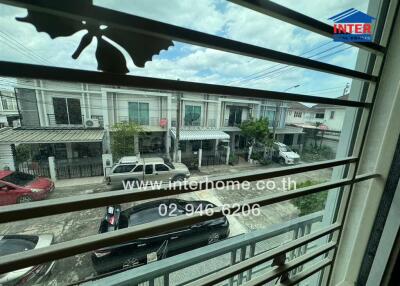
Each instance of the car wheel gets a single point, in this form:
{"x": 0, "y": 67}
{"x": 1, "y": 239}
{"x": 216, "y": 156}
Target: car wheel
{"x": 178, "y": 178}
{"x": 281, "y": 161}
{"x": 130, "y": 262}
{"x": 24, "y": 199}
{"x": 213, "y": 238}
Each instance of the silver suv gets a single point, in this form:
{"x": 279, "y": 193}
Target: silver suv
{"x": 133, "y": 169}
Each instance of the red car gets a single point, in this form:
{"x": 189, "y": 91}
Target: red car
{"x": 18, "y": 187}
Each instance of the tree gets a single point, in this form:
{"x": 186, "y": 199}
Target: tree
{"x": 22, "y": 153}
{"x": 125, "y": 139}
{"x": 315, "y": 132}
{"x": 257, "y": 132}
{"x": 310, "y": 203}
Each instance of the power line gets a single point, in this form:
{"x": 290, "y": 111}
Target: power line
{"x": 288, "y": 68}
{"x": 11, "y": 38}
{"x": 21, "y": 51}
{"x": 262, "y": 71}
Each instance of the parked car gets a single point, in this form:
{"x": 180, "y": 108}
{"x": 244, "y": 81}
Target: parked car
{"x": 284, "y": 155}
{"x": 136, "y": 169}
{"x": 18, "y": 187}
{"x": 147, "y": 249}
{"x": 11, "y": 244}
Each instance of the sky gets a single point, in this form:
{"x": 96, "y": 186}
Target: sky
{"x": 20, "y": 42}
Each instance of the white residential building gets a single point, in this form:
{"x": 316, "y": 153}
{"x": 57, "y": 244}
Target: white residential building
{"x": 209, "y": 124}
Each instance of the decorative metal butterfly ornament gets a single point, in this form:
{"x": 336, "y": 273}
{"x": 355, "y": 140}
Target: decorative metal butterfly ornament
{"x": 140, "y": 47}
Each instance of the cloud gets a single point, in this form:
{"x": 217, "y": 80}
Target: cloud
{"x": 193, "y": 63}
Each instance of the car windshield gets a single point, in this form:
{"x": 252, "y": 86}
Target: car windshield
{"x": 169, "y": 164}
{"x": 19, "y": 178}
{"x": 286, "y": 149}
{"x": 11, "y": 246}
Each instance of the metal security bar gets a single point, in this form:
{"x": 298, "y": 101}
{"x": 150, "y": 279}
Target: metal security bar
{"x": 76, "y": 203}
{"x": 65, "y": 74}
{"x": 293, "y": 264}
{"x": 168, "y": 267}
{"x": 69, "y": 248}
{"x": 130, "y": 22}
{"x": 261, "y": 258}
{"x": 290, "y": 16}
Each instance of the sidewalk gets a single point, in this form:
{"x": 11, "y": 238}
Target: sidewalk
{"x": 78, "y": 182}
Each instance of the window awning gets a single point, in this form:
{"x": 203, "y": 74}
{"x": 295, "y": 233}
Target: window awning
{"x": 200, "y": 134}
{"x": 31, "y": 136}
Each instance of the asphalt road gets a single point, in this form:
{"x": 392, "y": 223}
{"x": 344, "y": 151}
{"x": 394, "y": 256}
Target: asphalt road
{"x": 75, "y": 225}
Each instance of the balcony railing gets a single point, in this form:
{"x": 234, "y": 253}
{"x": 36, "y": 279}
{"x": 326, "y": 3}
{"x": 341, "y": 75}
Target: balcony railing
{"x": 228, "y": 123}
{"x": 151, "y": 121}
{"x": 238, "y": 249}
{"x": 210, "y": 123}
{"x": 53, "y": 122}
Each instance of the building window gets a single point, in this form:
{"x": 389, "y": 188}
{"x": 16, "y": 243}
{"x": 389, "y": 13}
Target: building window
{"x": 4, "y": 103}
{"x": 192, "y": 115}
{"x": 320, "y": 115}
{"x": 67, "y": 110}
{"x": 138, "y": 112}
{"x": 298, "y": 114}
{"x": 235, "y": 116}
{"x": 332, "y": 114}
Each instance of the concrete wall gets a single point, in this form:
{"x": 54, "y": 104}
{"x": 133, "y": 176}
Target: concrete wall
{"x": 336, "y": 123}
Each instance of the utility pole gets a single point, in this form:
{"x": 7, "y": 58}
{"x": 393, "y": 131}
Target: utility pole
{"x": 178, "y": 125}
{"x": 278, "y": 112}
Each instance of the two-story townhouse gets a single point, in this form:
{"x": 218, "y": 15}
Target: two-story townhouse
{"x": 78, "y": 121}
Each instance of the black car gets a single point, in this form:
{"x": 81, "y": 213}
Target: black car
{"x": 151, "y": 248}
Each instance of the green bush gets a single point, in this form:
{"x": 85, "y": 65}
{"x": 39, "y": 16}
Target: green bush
{"x": 310, "y": 203}
{"x": 265, "y": 161}
{"x": 22, "y": 153}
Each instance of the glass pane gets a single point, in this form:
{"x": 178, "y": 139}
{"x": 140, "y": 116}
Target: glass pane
{"x": 144, "y": 113}
{"x": 74, "y": 111}
{"x": 60, "y": 110}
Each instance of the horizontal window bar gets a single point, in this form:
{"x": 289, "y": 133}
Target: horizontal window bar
{"x": 293, "y": 17}
{"x": 77, "y": 246}
{"x": 130, "y": 22}
{"x": 304, "y": 274}
{"x": 81, "y": 202}
{"x": 180, "y": 261}
{"x": 261, "y": 258}
{"x": 279, "y": 271}
{"x": 20, "y": 70}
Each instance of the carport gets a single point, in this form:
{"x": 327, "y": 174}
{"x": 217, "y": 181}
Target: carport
{"x": 200, "y": 135}
{"x": 49, "y": 142}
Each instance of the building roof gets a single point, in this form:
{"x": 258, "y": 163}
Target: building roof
{"x": 20, "y": 135}
{"x": 323, "y": 106}
{"x": 289, "y": 130}
{"x": 200, "y": 134}
{"x": 297, "y": 105}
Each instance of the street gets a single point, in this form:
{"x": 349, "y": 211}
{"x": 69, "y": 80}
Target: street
{"x": 75, "y": 225}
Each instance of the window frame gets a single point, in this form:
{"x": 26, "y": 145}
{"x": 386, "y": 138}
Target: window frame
{"x": 245, "y": 49}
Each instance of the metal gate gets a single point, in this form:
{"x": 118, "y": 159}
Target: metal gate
{"x": 79, "y": 168}
{"x": 37, "y": 168}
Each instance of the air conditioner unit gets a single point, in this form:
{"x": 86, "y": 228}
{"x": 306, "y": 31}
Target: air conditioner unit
{"x": 16, "y": 123}
{"x": 92, "y": 123}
